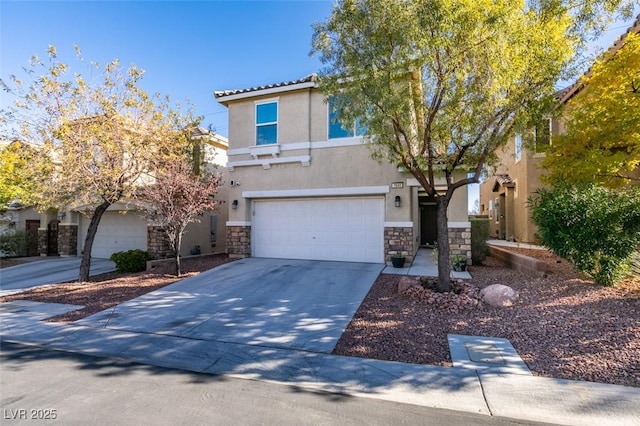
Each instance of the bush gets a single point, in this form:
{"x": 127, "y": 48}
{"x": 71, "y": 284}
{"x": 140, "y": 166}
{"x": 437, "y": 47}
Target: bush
{"x": 15, "y": 244}
{"x": 594, "y": 228}
{"x": 479, "y": 237}
{"x": 130, "y": 260}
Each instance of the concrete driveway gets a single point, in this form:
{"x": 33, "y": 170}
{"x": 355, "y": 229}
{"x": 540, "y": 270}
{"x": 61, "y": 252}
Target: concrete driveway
{"x": 289, "y": 304}
{"x": 49, "y": 271}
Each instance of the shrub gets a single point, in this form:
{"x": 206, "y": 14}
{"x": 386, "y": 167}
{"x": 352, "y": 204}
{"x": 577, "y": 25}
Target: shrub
{"x": 15, "y": 244}
{"x": 130, "y": 260}
{"x": 594, "y": 228}
{"x": 479, "y": 237}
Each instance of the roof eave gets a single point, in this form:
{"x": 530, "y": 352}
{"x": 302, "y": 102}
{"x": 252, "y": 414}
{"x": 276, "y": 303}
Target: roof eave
{"x": 225, "y": 99}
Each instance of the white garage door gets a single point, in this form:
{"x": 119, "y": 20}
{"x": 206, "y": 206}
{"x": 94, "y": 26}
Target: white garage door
{"x": 116, "y": 232}
{"x": 344, "y": 229}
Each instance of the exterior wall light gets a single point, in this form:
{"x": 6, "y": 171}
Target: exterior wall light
{"x": 397, "y": 201}
{"x": 234, "y": 205}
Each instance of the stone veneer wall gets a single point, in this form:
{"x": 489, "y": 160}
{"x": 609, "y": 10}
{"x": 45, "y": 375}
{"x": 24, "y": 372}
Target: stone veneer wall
{"x": 157, "y": 243}
{"x": 43, "y": 241}
{"x": 460, "y": 242}
{"x": 398, "y": 240}
{"x": 239, "y": 241}
{"x": 67, "y": 240}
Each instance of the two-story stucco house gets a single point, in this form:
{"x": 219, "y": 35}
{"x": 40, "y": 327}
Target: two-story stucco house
{"x": 304, "y": 186}
{"x": 505, "y": 192}
{"x": 123, "y": 227}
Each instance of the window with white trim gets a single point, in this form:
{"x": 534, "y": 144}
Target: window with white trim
{"x": 518, "y": 141}
{"x": 337, "y": 128}
{"x": 543, "y": 135}
{"x": 267, "y": 123}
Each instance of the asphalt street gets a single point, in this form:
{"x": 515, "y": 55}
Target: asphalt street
{"x": 46, "y": 386}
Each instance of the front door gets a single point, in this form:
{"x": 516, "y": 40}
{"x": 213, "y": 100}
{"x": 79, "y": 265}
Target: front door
{"x": 428, "y": 223}
{"x": 32, "y": 232}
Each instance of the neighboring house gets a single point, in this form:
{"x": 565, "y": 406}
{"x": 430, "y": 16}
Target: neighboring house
{"x": 505, "y": 191}
{"x": 17, "y": 217}
{"x": 303, "y": 186}
{"x": 123, "y": 227}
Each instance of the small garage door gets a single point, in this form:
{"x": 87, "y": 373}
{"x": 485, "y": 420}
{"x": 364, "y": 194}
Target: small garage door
{"x": 116, "y": 232}
{"x": 344, "y": 229}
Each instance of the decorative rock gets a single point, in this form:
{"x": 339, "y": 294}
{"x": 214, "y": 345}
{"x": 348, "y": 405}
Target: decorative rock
{"x": 498, "y": 295}
{"x": 407, "y": 282}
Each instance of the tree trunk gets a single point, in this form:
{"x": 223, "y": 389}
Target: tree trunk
{"x": 178, "y": 243}
{"x": 85, "y": 264}
{"x": 444, "y": 269}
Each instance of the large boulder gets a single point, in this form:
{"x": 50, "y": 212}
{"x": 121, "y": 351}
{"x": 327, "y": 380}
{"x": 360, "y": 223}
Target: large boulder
{"x": 498, "y": 295}
{"x": 406, "y": 282}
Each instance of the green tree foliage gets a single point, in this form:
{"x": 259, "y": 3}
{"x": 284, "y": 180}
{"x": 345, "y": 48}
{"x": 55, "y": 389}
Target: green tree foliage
{"x": 442, "y": 84}
{"x": 479, "y": 237}
{"x": 99, "y": 136}
{"x": 602, "y": 138}
{"x": 594, "y": 228}
{"x": 16, "y": 173}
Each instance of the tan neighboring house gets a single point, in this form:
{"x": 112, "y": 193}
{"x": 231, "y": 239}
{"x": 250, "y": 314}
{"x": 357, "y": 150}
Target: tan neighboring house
{"x": 123, "y": 227}
{"x": 506, "y": 188}
{"x": 303, "y": 186}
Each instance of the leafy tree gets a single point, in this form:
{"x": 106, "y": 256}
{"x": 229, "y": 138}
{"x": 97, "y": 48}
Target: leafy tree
{"x": 440, "y": 85}
{"x": 594, "y": 228}
{"x": 182, "y": 193}
{"x": 99, "y": 135}
{"x": 602, "y": 138}
{"x": 16, "y": 178}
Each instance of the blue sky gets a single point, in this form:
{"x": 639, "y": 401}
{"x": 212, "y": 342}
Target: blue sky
{"x": 189, "y": 49}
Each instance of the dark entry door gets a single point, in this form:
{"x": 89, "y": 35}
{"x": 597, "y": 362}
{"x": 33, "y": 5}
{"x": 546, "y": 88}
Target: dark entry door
{"x": 32, "y": 232}
{"x": 428, "y": 225}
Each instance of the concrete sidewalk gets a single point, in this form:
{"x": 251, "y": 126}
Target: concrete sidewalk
{"x": 517, "y": 396}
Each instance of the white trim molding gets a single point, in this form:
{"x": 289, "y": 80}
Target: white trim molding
{"x": 266, "y": 163}
{"x": 318, "y": 192}
{"x": 458, "y": 224}
{"x": 398, "y": 224}
{"x": 237, "y": 223}
{"x": 269, "y": 149}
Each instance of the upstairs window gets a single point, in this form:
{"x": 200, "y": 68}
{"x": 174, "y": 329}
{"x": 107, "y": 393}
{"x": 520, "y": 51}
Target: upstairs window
{"x": 518, "y": 141}
{"x": 267, "y": 123}
{"x": 543, "y": 135}
{"x": 337, "y": 128}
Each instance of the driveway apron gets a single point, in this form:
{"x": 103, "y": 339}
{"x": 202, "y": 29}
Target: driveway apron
{"x": 49, "y": 271}
{"x": 289, "y": 304}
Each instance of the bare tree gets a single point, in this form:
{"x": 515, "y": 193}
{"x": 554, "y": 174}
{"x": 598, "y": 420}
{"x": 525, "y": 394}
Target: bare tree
{"x": 179, "y": 197}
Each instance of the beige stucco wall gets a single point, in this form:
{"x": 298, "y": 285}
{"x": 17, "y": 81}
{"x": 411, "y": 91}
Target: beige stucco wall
{"x": 525, "y": 174}
{"x": 304, "y": 160}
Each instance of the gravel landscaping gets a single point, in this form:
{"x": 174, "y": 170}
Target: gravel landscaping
{"x": 562, "y": 326}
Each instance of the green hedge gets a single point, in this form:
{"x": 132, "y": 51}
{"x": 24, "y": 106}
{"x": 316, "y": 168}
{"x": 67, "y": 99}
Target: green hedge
{"x": 15, "y": 244}
{"x": 131, "y": 260}
{"x": 479, "y": 237}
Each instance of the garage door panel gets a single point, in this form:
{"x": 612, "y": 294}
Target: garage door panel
{"x": 116, "y": 232}
{"x": 349, "y": 229}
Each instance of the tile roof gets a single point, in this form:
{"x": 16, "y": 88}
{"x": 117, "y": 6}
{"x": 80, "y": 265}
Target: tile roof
{"x": 311, "y": 78}
{"x": 567, "y": 93}
{"x": 503, "y": 180}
